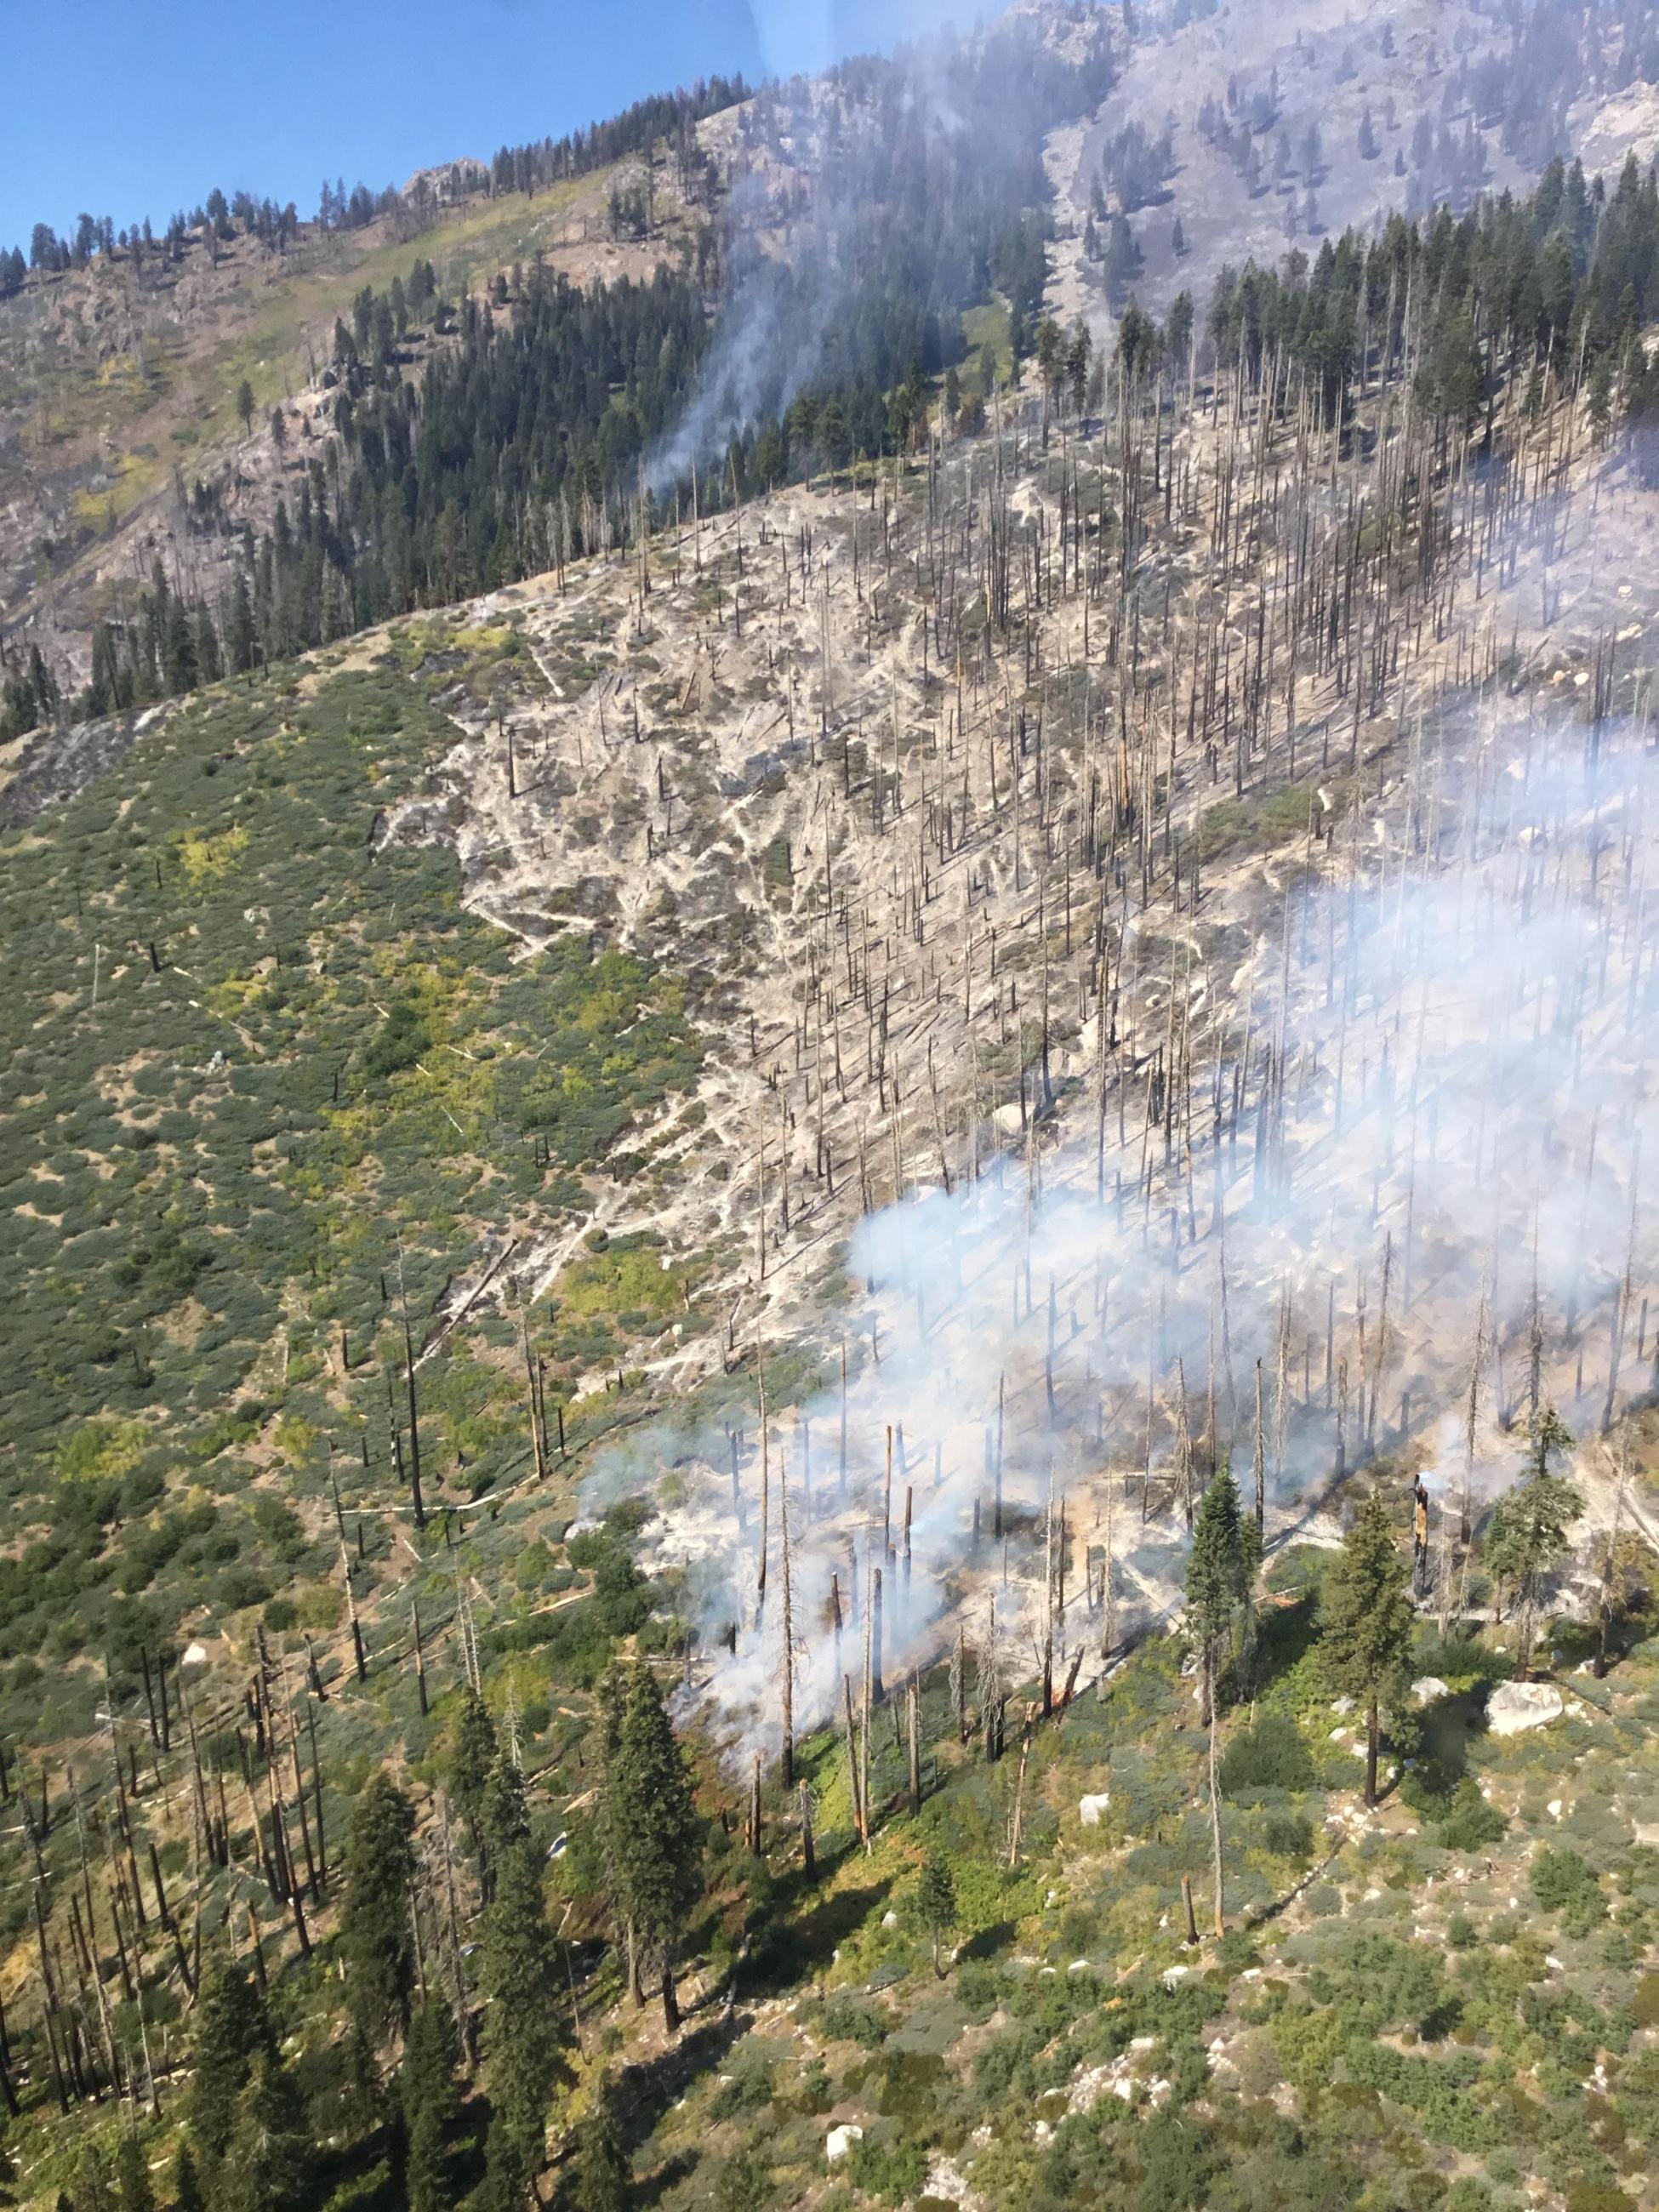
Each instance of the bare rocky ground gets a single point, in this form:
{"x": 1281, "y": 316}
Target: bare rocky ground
{"x": 1314, "y": 62}
{"x": 1320, "y": 62}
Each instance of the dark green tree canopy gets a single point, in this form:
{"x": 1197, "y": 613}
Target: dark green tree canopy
{"x": 375, "y": 1936}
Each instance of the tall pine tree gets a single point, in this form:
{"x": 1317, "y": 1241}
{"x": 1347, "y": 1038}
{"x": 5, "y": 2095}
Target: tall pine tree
{"x": 375, "y": 1940}
{"x": 521, "y": 2038}
{"x": 1529, "y": 1525}
{"x": 267, "y": 2163}
{"x": 1219, "y": 1573}
{"x": 426, "y": 2087}
{"x": 653, "y": 1837}
{"x": 232, "y": 2032}
{"x": 1368, "y": 1622}
{"x": 603, "y": 2176}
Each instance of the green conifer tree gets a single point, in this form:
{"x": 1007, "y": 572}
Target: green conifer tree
{"x": 132, "y": 2175}
{"x": 603, "y": 2176}
{"x": 266, "y": 2166}
{"x": 375, "y": 1940}
{"x": 91, "y": 2191}
{"x": 520, "y": 1975}
{"x": 232, "y": 2031}
{"x": 1368, "y": 1621}
{"x": 471, "y": 1761}
{"x": 1220, "y": 1572}
{"x": 936, "y": 1896}
{"x": 187, "y": 2195}
{"x": 1529, "y": 1527}
{"x": 654, "y": 1835}
{"x": 426, "y": 2088}
{"x": 505, "y": 1818}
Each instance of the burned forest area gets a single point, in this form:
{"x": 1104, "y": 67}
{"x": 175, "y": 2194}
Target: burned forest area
{"x": 831, "y": 1162}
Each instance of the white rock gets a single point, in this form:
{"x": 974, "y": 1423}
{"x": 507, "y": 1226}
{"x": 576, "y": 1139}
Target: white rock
{"x": 1427, "y": 1688}
{"x": 1554, "y": 1963}
{"x": 945, "y": 2179}
{"x": 889, "y": 1920}
{"x": 841, "y": 2140}
{"x": 1143, "y": 2043}
{"x": 1341, "y": 1704}
{"x": 1078, "y": 1966}
{"x": 1340, "y": 1734}
{"x": 195, "y": 1656}
{"x": 1089, "y": 2086}
{"x": 1554, "y": 1809}
{"x": 1513, "y": 1706}
{"x": 1090, "y": 1808}
{"x": 1124, "y": 2088}
{"x": 1173, "y": 1976}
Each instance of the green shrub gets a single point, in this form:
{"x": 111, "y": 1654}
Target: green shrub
{"x": 890, "y": 2172}
{"x": 1564, "y": 1882}
{"x": 1450, "y": 1803}
{"x": 845, "y": 2021}
{"x": 1272, "y": 1755}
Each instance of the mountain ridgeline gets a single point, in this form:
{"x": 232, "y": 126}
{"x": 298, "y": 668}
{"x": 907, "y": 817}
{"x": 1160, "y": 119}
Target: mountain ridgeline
{"x": 520, "y": 445}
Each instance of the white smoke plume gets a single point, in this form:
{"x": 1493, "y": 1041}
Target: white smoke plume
{"x": 1414, "y": 1155}
{"x": 816, "y": 166}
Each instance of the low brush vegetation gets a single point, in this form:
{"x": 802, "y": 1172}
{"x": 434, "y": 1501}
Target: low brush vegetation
{"x": 267, "y": 1083}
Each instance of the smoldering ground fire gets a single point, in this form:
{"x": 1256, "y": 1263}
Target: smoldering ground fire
{"x": 1369, "y": 1193}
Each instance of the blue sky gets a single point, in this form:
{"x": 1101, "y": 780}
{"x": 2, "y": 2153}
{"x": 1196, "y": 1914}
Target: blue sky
{"x": 135, "y": 107}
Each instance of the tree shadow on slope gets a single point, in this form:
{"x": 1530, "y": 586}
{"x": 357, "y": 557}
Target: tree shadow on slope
{"x": 800, "y": 1937}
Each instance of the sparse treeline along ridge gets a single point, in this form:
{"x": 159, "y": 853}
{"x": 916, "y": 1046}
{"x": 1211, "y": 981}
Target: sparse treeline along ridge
{"x": 528, "y": 168}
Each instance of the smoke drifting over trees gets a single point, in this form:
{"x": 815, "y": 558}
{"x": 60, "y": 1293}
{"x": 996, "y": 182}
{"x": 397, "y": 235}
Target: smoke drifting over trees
{"x": 1387, "y": 1137}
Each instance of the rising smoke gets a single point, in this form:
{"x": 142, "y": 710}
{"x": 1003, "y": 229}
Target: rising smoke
{"x": 1375, "y": 1149}
{"x": 866, "y": 210}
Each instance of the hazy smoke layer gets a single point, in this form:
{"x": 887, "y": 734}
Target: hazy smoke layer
{"x": 1409, "y": 1160}
{"x": 867, "y": 209}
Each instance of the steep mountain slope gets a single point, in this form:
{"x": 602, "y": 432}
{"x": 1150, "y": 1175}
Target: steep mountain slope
{"x": 787, "y": 1103}
{"x": 120, "y": 386}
